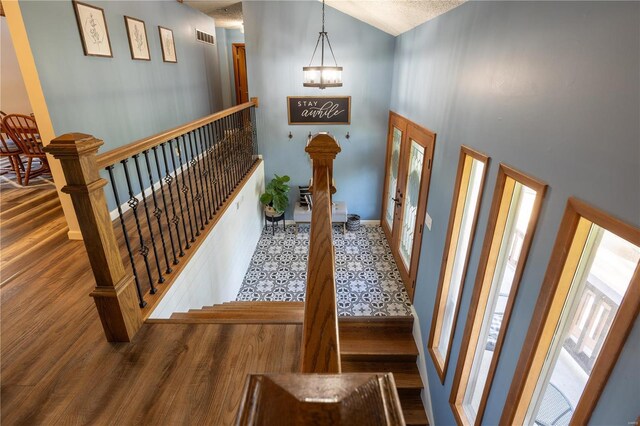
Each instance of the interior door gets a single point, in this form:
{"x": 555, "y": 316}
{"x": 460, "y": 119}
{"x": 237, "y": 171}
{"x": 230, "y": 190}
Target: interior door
{"x": 240, "y": 73}
{"x": 406, "y": 193}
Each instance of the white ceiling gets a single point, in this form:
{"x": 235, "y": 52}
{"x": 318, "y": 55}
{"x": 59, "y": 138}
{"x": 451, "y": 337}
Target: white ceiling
{"x": 391, "y": 16}
{"x": 227, "y": 13}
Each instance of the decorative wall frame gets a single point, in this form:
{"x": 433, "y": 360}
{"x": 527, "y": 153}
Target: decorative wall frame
{"x": 168, "y": 45}
{"x": 93, "y": 30}
{"x": 138, "y": 42}
{"x": 319, "y": 109}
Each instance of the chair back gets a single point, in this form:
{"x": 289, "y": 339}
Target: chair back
{"x": 23, "y": 130}
{"x": 7, "y": 147}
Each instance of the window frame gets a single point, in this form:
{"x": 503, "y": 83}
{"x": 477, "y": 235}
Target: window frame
{"x": 555, "y": 287}
{"x": 449, "y": 258}
{"x": 482, "y": 287}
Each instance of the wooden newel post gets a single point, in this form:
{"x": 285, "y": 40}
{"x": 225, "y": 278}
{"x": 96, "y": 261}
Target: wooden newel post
{"x": 115, "y": 294}
{"x": 320, "y": 341}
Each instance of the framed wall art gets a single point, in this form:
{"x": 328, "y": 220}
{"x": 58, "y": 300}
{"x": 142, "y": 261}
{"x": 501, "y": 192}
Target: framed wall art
{"x": 168, "y": 45}
{"x": 138, "y": 43}
{"x": 319, "y": 109}
{"x": 93, "y": 29}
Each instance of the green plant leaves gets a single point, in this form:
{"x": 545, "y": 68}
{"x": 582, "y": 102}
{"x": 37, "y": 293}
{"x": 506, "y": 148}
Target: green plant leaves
{"x": 276, "y": 193}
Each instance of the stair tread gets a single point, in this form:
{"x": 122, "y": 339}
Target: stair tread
{"x": 413, "y": 410}
{"x": 376, "y": 342}
{"x": 405, "y": 374}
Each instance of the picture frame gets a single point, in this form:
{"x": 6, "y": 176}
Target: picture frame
{"x": 167, "y": 44}
{"x": 138, "y": 41}
{"x": 94, "y": 32}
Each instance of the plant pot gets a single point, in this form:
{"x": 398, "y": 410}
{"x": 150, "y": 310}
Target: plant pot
{"x": 269, "y": 211}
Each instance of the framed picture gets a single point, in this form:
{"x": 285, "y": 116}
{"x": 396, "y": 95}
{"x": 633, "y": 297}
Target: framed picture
{"x": 138, "y": 43}
{"x": 319, "y": 109}
{"x": 93, "y": 30}
{"x": 168, "y": 46}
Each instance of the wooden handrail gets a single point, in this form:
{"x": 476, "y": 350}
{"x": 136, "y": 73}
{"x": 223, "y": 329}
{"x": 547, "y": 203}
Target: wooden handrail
{"x": 211, "y": 166}
{"x": 320, "y": 340}
{"x": 126, "y": 151}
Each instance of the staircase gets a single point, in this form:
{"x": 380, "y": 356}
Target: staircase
{"x": 367, "y": 344}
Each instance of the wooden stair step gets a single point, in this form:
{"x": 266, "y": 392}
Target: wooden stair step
{"x": 241, "y": 316}
{"x": 382, "y": 324}
{"x": 413, "y": 411}
{"x": 405, "y": 374}
{"x": 280, "y": 306}
{"x": 372, "y": 345}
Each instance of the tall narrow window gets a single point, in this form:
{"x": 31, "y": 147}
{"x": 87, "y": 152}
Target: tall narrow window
{"x": 587, "y": 306}
{"x": 472, "y": 168}
{"x": 514, "y": 214}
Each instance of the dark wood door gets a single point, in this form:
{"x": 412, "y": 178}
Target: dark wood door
{"x": 406, "y": 190}
{"x": 240, "y": 73}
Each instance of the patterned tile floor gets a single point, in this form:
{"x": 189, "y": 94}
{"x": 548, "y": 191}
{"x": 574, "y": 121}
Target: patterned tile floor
{"x": 367, "y": 278}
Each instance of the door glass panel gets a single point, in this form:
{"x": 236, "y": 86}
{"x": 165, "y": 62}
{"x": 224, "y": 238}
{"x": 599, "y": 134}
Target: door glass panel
{"x": 412, "y": 193}
{"x": 460, "y": 254}
{"x": 517, "y": 222}
{"x": 599, "y": 284}
{"x": 392, "y": 183}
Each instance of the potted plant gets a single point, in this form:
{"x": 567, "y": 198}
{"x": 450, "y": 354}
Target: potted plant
{"x": 276, "y": 196}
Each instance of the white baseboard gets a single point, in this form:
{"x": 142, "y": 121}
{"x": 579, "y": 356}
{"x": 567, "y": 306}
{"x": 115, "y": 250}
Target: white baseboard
{"x": 422, "y": 367}
{"x": 370, "y": 222}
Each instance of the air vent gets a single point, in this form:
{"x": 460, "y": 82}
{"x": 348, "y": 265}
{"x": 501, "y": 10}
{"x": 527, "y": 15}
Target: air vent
{"x": 205, "y": 37}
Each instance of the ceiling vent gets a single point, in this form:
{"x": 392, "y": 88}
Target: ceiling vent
{"x": 205, "y": 37}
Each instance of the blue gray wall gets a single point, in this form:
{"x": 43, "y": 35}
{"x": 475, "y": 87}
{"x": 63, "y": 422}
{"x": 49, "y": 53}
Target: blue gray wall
{"x": 280, "y": 37}
{"x": 118, "y": 99}
{"x": 225, "y": 38}
{"x": 551, "y": 89}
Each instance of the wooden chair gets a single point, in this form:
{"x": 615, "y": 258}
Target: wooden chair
{"x": 9, "y": 149}
{"x": 23, "y": 130}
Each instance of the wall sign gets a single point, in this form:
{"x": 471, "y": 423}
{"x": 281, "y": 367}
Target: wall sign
{"x": 319, "y": 109}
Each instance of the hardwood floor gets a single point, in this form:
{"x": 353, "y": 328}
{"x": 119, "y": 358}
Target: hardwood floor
{"x": 58, "y": 368}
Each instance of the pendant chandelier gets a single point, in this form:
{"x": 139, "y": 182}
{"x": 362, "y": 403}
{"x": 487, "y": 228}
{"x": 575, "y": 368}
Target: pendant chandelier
{"x": 322, "y": 76}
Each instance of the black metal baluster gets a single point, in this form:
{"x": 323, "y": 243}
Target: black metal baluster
{"x": 164, "y": 204}
{"x": 184, "y": 191}
{"x": 245, "y": 133}
{"x": 141, "y": 301}
{"x": 194, "y": 203}
{"x": 246, "y": 138}
{"x": 250, "y": 150}
{"x": 208, "y": 149}
{"x": 236, "y": 165}
{"x": 206, "y": 170}
{"x": 232, "y": 142}
{"x": 254, "y": 131}
{"x": 197, "y": 171}
{"x": 133, "y": 203}
{"x": 221, "y": 159}
{"x": 175, "y": 219}
{"x": 149, "y": 224}
{"x": 214, "y": 163}
{"x": 157, "y": 213}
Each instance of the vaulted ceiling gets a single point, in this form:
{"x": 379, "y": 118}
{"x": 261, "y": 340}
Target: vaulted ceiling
{"x": 391, "y": 16}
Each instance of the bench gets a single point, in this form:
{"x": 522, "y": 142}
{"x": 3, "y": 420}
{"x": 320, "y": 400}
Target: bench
{"x": 302, "y": 214}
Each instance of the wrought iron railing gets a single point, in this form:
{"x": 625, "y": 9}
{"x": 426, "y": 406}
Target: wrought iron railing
{"x": 163, "y": 192}
{"x": 185, "y": 179}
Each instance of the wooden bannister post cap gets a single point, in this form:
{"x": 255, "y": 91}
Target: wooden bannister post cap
{"x": 323, "y": 146}
{"x": 73, "y": 145}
